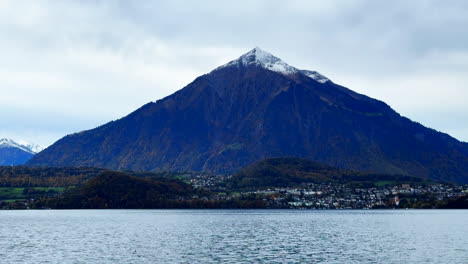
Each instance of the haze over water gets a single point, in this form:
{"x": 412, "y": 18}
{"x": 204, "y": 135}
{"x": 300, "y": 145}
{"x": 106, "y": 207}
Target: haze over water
{"x": 233, "y": 236}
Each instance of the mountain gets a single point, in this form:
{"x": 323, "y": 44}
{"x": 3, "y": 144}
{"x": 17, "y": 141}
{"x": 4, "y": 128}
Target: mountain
{"x": 257, "y": 107}
{"x": 291, "y": 172}
{"x": 13, "y": 153}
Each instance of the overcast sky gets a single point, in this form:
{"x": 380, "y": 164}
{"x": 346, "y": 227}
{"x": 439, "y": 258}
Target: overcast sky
{"x": 68, "y": 66}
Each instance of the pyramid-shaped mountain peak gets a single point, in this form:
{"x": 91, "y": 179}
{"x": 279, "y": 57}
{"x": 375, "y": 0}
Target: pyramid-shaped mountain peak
{"x": 257, "y": 107}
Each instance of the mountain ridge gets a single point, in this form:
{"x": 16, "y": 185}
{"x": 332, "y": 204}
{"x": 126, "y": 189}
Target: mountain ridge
{"x": 28, "y": 147}
{"x": 14, "y": 153}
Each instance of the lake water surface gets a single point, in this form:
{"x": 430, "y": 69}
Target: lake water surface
{"x": 234, "y": 236}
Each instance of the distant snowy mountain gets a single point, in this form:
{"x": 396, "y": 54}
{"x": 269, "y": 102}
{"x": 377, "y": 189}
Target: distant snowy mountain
{"x": 14, "y": 153}
{"x": 35, "y": 148}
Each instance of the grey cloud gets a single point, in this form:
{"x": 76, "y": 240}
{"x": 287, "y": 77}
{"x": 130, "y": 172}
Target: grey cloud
{"x": 99, "y": 60}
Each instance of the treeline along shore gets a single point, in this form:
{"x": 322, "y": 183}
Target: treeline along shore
{"x": 271, "y": 183}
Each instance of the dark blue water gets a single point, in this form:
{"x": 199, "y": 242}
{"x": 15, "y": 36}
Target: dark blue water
{"x": 233, "y": 236}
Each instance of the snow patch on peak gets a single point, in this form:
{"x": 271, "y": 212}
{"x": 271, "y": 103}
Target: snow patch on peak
{"x": 315, "y": 75}
{"x": 267, "y": 61}
{"x": 263, "y": 59}
{"x": 30, "y": 148}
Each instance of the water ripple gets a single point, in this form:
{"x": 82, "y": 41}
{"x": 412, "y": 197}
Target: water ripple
{"x": 233, "y": 236}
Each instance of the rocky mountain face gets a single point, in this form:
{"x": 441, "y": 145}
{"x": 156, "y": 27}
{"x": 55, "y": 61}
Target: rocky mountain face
{"x": 257, "y": 107}
{"x": 13, "y": 153}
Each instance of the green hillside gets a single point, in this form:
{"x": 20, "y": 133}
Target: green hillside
{"x": 118, "y": 190}
{"x": 291, "y": 171}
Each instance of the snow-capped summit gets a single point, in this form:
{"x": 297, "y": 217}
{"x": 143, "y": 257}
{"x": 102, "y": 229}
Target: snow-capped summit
{"x": 268, "y": 61}
{"x": 263, "y": 59}
{"x": 30, "y": 148}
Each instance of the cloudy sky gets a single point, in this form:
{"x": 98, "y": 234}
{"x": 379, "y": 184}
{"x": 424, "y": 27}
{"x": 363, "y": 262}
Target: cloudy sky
{"x": 68, "y": 66}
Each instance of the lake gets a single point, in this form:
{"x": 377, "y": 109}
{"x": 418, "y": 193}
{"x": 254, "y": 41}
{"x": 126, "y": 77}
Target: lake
{"x": 234, "y": 236}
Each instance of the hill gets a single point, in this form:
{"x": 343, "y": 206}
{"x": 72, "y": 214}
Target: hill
{"x": 290, "y": 172}
{"x": 257, "y": 107}
{"x": 22, "y": 176}
{"x": 117, "y": 190}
